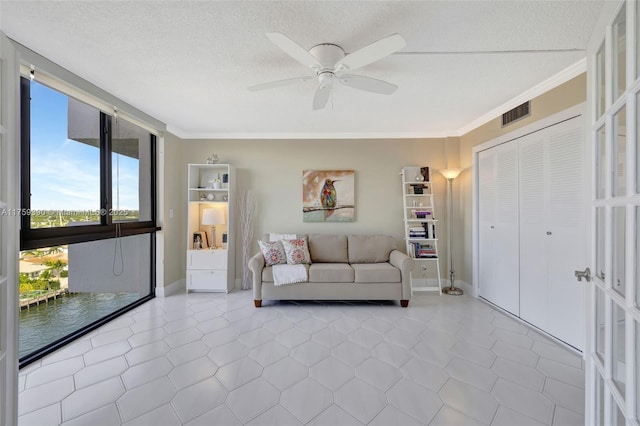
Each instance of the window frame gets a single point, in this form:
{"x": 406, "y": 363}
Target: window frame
{"x": 44, "y": 237}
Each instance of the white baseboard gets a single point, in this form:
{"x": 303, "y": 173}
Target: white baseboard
{"x": 173, "y": 288}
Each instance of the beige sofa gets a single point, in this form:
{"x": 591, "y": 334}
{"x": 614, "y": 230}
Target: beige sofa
{"x": 354, "y": 267}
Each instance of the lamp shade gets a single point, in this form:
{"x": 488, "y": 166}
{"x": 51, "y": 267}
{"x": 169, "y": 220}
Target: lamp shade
{"x": 450, "y": 173}
{"x": 213, "y": 217}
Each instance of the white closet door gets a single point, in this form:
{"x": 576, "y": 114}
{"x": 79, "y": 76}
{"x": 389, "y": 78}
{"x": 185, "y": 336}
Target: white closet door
{"x": 566, "y": 223}
{"x": 500, "y": 216}
{"x": 534, "y": 292}
{"x": 486, "y": 223}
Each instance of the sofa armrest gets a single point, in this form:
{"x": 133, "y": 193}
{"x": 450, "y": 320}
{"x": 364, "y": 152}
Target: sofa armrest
{"x": 256, "y": 265}
{"x": 405, "y": 264}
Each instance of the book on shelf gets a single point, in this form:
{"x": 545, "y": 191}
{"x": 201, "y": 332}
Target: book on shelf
{"x": 421, "y": 251}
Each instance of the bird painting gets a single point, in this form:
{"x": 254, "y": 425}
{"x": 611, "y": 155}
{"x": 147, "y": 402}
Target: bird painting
{"x": 328, "y": 195}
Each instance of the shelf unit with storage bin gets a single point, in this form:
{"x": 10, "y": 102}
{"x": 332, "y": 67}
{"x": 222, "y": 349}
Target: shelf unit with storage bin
{"x": 420, "y": 233}
{"x": 210, "y": 186}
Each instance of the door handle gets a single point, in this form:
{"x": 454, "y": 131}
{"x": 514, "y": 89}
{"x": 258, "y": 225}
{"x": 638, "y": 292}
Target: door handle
{"x": 586, "y": 274}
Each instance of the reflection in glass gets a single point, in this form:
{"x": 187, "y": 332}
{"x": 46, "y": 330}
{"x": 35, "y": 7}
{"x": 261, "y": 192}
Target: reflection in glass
{"x": 131, "y": 172}
{"x": 618, "y": 349}
{"x": 637, "y": 256}
{"x": 619, "y": 53}
{"x": 601, "y": 82}
{"x": 637, "y": 352}
{"x": 599, "y": 398}
{"x": 599, "y": 272}
{"x": 638, "y": 141}
{"x": 601, "y": 162}
{"x": 619, "y": 249}
{"x": 620, "y": 153}
{"x": 600, "y": 325}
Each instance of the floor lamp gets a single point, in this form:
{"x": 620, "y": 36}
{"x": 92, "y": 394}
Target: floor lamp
{"x": 450, "y": 175}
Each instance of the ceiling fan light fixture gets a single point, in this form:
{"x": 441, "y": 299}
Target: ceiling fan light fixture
{"x": 329, "y": 60}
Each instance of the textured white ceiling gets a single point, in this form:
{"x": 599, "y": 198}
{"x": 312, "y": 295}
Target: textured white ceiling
{"x": 189, "y": 63}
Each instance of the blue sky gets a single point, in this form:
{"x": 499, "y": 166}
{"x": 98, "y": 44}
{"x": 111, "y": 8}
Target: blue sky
{"x": 65, "y": 174}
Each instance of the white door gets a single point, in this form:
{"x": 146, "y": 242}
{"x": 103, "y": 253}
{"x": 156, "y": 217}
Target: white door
{"x": 566, "y": 229}
{"x": 613, "y": 318}
{"x": 8, "y": 235}
{"x": 534, "y": 242}
{"x": 498, "y": 226}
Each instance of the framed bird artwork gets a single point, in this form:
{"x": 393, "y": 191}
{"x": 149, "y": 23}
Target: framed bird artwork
{"x": 328, "y": 195}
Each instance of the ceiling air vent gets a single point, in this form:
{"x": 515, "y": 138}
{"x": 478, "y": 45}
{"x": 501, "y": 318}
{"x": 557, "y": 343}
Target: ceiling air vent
{"x": 516, "y": 114}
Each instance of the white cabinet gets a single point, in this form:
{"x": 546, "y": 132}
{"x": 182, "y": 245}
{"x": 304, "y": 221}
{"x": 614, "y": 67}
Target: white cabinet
{"x": 420, "y": 227}
{"x": 498, "y": 226}
{"x": 531, "y": 219}
{"x": 207, "y": 270}
{"x": 210, "y": 253}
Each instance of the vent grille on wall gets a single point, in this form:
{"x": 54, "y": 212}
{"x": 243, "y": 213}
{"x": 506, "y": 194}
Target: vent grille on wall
{"x": 516, "y": 114}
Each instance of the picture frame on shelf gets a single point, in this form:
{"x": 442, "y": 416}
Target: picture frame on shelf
{"x": 207, "y": 178}
{"x": 199, "y": 241}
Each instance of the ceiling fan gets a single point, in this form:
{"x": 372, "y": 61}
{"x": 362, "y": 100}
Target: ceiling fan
{"x": 329, "y": 62}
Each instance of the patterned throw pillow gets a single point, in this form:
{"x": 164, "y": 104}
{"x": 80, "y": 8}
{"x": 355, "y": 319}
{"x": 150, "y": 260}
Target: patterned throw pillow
{"x": 297, "y": 251}
{"x": 273, "y": 252}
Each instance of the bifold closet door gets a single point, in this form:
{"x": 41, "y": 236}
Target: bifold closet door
{"x": 534, "y": 241}
{"x": 498, "y": 221}
{"x": 552, "y": 229}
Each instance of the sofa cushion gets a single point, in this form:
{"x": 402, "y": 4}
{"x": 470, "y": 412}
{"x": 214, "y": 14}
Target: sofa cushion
{"x": 328, "y": 248}
{"x": 297, "y": 251}
{"x": 370, "y": 248}
{"x": 376, "y": 273}
{"x": 331, "y": 273}
{"x": 273, "y": 252}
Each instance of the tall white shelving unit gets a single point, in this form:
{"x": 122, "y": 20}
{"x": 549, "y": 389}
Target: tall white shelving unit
{"x": 420, "y": 233}
{"x": 210, "y": 186}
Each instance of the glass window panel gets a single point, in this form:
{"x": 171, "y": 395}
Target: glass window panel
{"x": 599, "y": 272}
{"x": 637, "y": 386}
{"x": 638, "y": 139}
{"x": 600, "y": 324}
{"x": 637, "y": 256}
{"x": 599, "y": 398}
{"x": 619, "y": 370}
{"x": 601, "y": 162}
{"x": 65, "y": 160}
{"x": 619, "y": 420}
{"x": 619, "y": 251}
{"x": 620, "y": 53}
{"x": 619, "y": 159}
{"x": 131, "y": 172}
{"x": 65, "y": 288}
{"x": 601, "y": 82}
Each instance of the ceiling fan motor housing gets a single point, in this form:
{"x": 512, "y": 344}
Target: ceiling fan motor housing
{"x": 327, "y": 55}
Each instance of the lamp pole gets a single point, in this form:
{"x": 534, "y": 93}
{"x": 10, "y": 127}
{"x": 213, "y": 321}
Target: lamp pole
{"x": 450, "y": 175}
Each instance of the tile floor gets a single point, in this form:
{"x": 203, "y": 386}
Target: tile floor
{"x": 211, "y": 359}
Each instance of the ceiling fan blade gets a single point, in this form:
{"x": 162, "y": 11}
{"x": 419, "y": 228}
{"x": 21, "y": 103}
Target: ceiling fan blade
{"x": 372, "y": 52}
{"x": 294, "y": 50}
{"x": 367, "y": 84}
{"x": 278, "y": 83}
{"x": 321, "y": 97}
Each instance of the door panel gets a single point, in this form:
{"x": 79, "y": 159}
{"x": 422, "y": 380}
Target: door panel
{"x": 498, "y": 221}
{"x": 534, "y": 294}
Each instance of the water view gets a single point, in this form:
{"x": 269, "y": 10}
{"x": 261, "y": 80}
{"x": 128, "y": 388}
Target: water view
{"x": 47, "y": 322}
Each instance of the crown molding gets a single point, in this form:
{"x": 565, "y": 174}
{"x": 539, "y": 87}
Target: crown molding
{"x": 537, "y": 90}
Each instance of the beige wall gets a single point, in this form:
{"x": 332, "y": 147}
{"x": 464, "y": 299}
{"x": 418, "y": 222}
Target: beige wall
{"x": 175, "y": 198}
{"x": 572, "y": 92}
{"x": 272, "y": 169}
